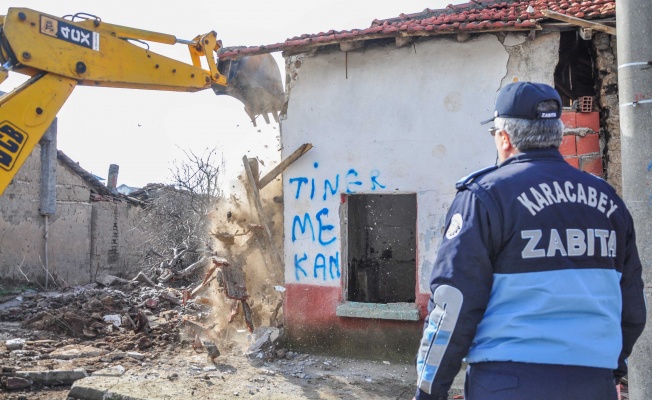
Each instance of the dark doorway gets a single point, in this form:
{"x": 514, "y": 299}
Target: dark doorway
{"x": 575, "y": 73}
{"x": 381, "y": 247}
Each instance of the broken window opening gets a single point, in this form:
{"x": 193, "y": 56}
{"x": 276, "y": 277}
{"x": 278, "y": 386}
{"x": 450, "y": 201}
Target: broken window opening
{"x": 381, "y": 248}
{"x": 575, "y": 73}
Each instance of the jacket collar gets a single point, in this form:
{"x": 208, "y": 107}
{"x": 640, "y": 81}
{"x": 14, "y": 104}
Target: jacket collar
{"x": 550, "y": 154}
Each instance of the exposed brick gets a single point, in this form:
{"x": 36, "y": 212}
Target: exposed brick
{"x": 588, "y": 120}
{"x": 592, "y": 164}
{"x": 572, "y": 119}
{"x": 574, "y": 161}
{"x": 569, "y": 119}
{"x": 568, "y": 146}
{"x": 588, "y": 144}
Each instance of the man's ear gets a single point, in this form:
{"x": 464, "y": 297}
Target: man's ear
{"x": 506, "y": 142}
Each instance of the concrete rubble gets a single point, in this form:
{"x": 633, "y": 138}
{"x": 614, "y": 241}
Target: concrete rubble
{"x": 99, "y": 332}
{"x": 61, "y": 345}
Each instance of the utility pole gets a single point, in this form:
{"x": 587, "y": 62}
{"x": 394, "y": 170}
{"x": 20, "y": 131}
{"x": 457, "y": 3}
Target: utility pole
{"x": 634, "y": 33}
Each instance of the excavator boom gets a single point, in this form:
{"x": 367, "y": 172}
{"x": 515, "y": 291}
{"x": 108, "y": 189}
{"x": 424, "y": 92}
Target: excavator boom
{"x": 59, "y": 54}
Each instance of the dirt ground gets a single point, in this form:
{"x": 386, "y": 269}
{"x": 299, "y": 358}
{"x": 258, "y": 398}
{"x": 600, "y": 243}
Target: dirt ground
{"x": 230, "y": 375}
{"x": 174, "y": 345}
{"x": 171, "y": 352}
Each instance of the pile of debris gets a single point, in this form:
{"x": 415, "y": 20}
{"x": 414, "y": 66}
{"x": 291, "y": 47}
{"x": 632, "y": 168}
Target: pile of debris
{"x": 55, "y": 338}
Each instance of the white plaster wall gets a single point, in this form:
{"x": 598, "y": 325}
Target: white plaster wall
{"x": 389, "y": 120}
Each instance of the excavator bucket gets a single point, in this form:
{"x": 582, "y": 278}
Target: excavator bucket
{"x": 256, "y": 82}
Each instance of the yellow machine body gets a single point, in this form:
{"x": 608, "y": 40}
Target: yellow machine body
{"x": 59, "y": 54}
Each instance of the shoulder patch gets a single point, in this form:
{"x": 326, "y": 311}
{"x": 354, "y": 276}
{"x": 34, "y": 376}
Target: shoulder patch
{"x": 455, "y": 226}
{"x": 462, "y": 183}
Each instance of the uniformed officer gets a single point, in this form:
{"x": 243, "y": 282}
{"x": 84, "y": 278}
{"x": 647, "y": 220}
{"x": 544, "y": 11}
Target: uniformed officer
{"x": 537, "y": 281}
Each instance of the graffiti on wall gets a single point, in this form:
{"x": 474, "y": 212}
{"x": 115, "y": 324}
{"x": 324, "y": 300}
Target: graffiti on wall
{"x": 315, "y": 246}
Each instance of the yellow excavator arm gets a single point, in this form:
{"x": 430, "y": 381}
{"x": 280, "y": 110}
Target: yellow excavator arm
{"x": 59, "y": 54}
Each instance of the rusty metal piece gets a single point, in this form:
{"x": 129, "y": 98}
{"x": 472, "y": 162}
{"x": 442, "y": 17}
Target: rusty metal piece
{"x": 142, "y": 322}
{"x": 247, "y": 316}
{"x": 217, "y": 262}
{"x": 232, "y": 279}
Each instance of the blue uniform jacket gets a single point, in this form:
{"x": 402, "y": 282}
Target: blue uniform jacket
{"x": 538, "y": 264}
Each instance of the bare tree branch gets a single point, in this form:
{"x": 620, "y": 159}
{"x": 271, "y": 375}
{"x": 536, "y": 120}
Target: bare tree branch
{"x": 177, "y": 216}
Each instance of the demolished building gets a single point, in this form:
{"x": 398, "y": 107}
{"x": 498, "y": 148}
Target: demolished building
{"x": 60, "y": 226}
{"x": 393, "y": 113}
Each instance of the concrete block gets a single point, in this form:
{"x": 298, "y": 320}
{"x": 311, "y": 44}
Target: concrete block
{"x": 15, "y": 344}
{"x": 135, "y": 355}
{"x": 16, "y": 383}
{"x": 393, "y": 311}
{"x": 76, "y": 351}
{"x": 54, "y": 377}
{"x": 114, "y": 371}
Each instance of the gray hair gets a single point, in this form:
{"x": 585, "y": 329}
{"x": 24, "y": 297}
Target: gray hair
{"x": 528, "y": 134}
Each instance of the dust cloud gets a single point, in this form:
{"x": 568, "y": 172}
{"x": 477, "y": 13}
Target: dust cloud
{"x": 238, "y": 235}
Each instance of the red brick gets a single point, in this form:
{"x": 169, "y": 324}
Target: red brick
{"x": 592, "y": 164}
{"x": 588, "y": 144}
{"x": 588, "y": 120}
{"x": 569, "y": 119}
{"x": 568, "y": 146}
{"x": 574, "y": 161}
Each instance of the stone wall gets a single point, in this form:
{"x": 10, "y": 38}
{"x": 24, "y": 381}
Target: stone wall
{"x": 79, "y": 234}
{"x": 607, "y": 99}
{"x": 116, "y": 240}
{"x": 23, "y": 228}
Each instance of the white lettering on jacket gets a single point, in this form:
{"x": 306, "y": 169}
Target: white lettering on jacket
{"x": 545, "y": 195}
{"x": 592, "y": 242}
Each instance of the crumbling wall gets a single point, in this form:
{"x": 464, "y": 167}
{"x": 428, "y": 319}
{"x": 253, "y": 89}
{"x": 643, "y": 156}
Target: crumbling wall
{"x": 116, "y": 240}
{"x": 22, "y": 228}
{"x": 385, "y": 120}
{"x": 239, "y": 237}
{"x": 76, "y": 225}
{"x": 525, "y": 57}
{"x": 607, "y": 99}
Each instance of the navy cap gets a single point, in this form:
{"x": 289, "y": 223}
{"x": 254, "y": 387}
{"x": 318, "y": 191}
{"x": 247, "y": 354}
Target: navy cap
{"x": 520, "y": 100}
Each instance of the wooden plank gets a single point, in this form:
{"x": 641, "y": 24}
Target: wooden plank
{"x": 271, "y": 175}
{"x": 261, "y": 216}
{"x": 579, "y": 22}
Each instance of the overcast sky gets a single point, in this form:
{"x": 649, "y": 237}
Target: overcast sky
{"x": 144, "y": 131}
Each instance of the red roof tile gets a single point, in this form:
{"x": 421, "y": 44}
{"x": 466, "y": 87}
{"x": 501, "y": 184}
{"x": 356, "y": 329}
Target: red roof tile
{"x": 475, "y": 16}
